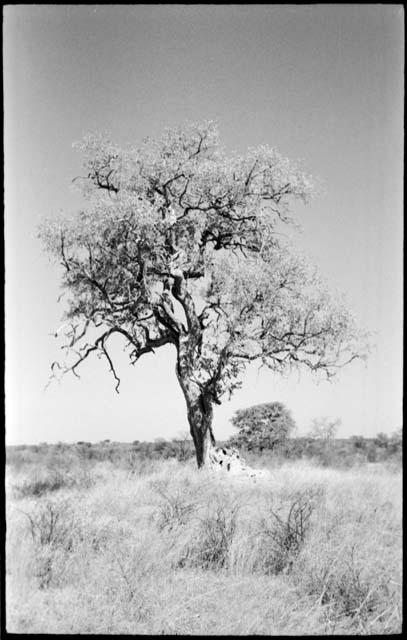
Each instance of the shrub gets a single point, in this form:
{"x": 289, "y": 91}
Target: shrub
{"x": 371, "y": 453}
{"x": 183, "y": 448}
{"x": 359, "y": 442}
{"x": 282, "y": 532}
{"x": 53, "y": 529}
{"x": 38, "y": 486}
{"x": 57, "y": 470}
{"x": 210, "y": 546}
{"x": 173, "y": 509}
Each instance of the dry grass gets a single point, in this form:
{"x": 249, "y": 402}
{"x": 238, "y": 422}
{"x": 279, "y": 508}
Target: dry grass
{"x": 177, "y": 551}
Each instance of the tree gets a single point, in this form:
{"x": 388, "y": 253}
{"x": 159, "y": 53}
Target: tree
{"x": 323, "y": 428}
{"x": 396, "y": 442}
{"x": 359, "y": 442}
{"x": 263, "y": 426}
{"x": 178, "y": 244}
{"x": 382, "y": 440}
{"x": 182, "y": 445}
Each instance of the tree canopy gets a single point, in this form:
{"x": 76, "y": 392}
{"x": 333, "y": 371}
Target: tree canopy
{"x": 262, "y": 426}
{"x": 179, "y": 243}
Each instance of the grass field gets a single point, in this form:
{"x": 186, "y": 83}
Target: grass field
{"x": 92, "y": 548}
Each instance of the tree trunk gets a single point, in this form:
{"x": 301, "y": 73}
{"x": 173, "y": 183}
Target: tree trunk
{"x": 200, "y": 415}
{"x": 198, "y": 400}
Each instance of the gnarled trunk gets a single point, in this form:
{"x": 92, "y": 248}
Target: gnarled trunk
{"x": 197, "y": 396}
{"x": 200, "y": 415}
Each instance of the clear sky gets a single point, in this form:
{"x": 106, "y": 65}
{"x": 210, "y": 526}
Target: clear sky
{"x": 322, "y": 83}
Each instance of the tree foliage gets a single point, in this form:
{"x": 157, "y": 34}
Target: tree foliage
{"x": 262, "y": 426}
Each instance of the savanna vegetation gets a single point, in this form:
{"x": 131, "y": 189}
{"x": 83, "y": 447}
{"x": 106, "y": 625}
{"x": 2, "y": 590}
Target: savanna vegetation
{"x": 132, "y": 538}
{"x": 178, "y": 243}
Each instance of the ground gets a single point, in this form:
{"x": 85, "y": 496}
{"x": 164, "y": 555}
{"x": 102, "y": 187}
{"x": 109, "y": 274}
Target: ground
{"x": 168, "y": 549}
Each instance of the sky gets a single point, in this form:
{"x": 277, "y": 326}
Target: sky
{"x": 322, "y": 83}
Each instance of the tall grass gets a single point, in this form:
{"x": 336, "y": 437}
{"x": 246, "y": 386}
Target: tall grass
{"x": 172, "y": 550}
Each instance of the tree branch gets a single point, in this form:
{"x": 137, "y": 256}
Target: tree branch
{"x": 100, "y": 344}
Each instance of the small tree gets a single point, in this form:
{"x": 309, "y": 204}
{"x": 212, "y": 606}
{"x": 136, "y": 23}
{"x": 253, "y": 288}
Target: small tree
{"x": 324, "y": 429}
{"x": 322, "y": 433}
{"x": 389, "y": 444}
{"x": 179, "y": 244}
{"x": 382, "y": 440}
{"x": 182, "y": 445}
{"x": 396, "y": 442}
{"x": 262, "y": 427}
{"x": 359, "y": 442}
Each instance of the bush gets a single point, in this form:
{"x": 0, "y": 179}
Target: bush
{"x": 283, "y": 531}
{"x": 38, "y": 486}
{"x": 53, "y": 530}
{"x": 173, "y": 510}
{"x": 210, "y": 545}
{"x": 56, "y": 471}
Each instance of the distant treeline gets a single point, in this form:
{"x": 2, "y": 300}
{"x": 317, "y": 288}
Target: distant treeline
{"x": 337, "y": 452}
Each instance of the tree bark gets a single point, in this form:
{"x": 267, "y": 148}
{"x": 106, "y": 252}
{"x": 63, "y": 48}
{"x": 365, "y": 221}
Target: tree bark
{"x": 200, "y": 415}
{"x": 198, "y": 398}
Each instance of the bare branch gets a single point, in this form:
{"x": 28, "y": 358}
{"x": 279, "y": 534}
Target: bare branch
{"x": 64, "y": 260}
{"x": 111, "y": 367}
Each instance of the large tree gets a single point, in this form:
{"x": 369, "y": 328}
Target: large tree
{"x": 180, "y": 244}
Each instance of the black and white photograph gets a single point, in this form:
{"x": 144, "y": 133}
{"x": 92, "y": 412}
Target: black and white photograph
{"x": 203, "y": 236}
